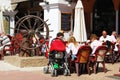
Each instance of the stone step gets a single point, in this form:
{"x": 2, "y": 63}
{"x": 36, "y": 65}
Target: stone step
{"x": 36, "y": 61}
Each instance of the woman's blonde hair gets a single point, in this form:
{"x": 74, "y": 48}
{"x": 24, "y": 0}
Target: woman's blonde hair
{"x": 93, "y": 36}
{"x": 73, "y": 40}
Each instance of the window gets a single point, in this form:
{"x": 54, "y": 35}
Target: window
{"x": 66, "y": 21}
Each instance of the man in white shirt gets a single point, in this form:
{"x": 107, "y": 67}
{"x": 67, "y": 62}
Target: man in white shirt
{"x": 104, "y": 37}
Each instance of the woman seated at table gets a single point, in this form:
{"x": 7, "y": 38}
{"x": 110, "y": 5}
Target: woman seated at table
{"x": 72, "y": 47}
{"x": 94, "y": 43}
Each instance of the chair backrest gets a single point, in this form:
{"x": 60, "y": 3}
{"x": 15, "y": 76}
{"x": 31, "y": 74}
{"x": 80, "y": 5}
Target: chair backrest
{"x": 83, "y": 54}
{"x": 101, "y": 52}
{"x": 110, "y": 45}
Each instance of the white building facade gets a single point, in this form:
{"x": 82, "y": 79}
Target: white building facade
{"x": 56, "y": 12}
{"x": 53, "y": 12}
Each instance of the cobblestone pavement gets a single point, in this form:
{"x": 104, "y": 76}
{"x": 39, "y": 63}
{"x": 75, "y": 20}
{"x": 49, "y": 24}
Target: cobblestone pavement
{"x": 10, "y": 72}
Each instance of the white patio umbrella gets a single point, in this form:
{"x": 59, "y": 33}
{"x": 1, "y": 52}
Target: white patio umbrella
{"x": 79, "y": 24}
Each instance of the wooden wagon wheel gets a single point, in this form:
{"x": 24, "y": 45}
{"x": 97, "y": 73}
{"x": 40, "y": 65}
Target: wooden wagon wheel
{"x": 34, "y": 29}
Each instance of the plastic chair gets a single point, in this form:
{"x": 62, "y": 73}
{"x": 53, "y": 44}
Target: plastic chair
{"x": 99, "y": 57}
{"x": 82, "y": 60}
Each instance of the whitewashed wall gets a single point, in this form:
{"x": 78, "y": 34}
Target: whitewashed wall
{"x": 53, "y": 11}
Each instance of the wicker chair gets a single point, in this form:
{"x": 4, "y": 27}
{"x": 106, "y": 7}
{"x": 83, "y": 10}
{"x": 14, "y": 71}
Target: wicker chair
{"x": 99, "y": 57}
{"x": 82, "y": 60}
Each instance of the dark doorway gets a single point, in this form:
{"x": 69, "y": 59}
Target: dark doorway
{"x": 103, "y": 17}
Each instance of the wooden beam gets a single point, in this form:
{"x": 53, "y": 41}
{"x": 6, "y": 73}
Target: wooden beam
{"x": 116, "y": 4}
